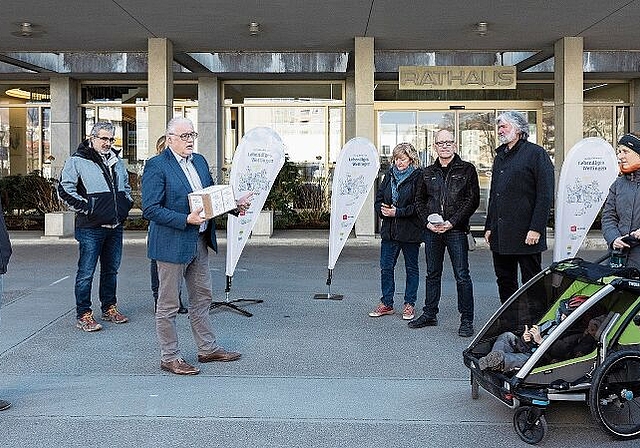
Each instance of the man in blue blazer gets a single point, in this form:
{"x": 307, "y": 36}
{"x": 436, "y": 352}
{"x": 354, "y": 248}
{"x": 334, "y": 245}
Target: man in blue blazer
{"x": 179, "y": 241}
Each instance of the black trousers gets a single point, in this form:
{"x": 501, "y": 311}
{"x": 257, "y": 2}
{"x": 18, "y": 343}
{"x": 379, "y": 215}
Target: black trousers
{"x": 506, "y": 269}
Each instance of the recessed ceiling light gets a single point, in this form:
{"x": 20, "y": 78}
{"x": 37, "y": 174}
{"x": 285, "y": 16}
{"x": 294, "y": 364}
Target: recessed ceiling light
{"x": 28, "y": 29}
{"x": 254, "y": 28}
{"x": 481, "y": 28}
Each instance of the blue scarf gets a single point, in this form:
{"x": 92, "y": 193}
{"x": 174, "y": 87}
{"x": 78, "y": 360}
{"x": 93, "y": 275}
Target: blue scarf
{"x": 397, "y": 177}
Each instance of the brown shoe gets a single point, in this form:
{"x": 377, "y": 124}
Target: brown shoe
{"x": 179, "y": 367}
{"x": 113, "y": 315}
{"x": 88, "y": 323}
{"x": 219, "y": 355}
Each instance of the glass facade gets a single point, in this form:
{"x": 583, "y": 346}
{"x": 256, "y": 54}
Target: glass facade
{"x": 125, "y": 106}
{"x": 25, "y": 129}
{"x": 309, "y": 117}
{"x": 475, "y": 131}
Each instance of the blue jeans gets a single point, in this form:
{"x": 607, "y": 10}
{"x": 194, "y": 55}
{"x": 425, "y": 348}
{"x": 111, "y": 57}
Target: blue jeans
{"x": 106, "y": 245}
{"x": 455, "y": 242}
{"x": 513, "y": 358}
{"x": 389, "y": 251}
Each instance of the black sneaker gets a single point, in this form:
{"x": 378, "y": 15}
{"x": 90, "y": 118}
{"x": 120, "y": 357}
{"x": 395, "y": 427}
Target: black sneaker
{"x": 4, "y": 405}
{"x": 423, "y": 321}
{"x": 466, "y": 329}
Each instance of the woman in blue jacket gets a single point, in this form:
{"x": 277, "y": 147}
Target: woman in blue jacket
{"x": 401, "y": 229}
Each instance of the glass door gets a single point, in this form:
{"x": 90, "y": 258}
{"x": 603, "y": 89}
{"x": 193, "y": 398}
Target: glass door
{"x": 476, "y": 144}
{"x": 475, "y": 130}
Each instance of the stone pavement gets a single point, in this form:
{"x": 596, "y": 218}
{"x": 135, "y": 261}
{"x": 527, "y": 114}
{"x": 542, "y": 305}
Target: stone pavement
{"x": 314, "y": 373}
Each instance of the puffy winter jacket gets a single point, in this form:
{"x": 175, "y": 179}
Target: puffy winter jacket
{"x": 96, "y": 189}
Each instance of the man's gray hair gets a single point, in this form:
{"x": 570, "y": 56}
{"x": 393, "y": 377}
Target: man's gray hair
{"x": 173, "y": 123}
{"x": 517, "y": 120}
{"x": 102, "y": 125}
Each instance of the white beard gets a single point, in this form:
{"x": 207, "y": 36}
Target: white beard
{"x": 507, "y": 138}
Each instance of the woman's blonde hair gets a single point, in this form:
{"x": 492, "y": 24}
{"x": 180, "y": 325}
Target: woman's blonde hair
{"x": 407, "y": 149}
{"x": 161, "y": 143}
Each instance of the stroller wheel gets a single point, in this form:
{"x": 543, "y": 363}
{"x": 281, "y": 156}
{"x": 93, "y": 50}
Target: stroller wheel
{"x": 614, "y": 397}
{"x": 530, "y": 424}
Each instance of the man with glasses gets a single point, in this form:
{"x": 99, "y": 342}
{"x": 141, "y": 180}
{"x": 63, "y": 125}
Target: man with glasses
{"x": 447, "y": 196}
{"x": 178, "y": 240}
{"x": 95, "y": 184}
{"x": 520, "y": 199}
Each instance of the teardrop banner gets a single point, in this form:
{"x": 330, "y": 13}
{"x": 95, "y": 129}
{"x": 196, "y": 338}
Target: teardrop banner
{"x": 256, "y": 164}
{"x": 355, "y": 172}
{"x": 588, "y": 171}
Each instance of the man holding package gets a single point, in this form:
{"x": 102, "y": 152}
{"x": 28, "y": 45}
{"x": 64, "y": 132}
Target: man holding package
{"x": 179, "y": 239}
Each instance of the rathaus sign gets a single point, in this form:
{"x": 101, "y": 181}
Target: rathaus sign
{"x": 456, "y": 77}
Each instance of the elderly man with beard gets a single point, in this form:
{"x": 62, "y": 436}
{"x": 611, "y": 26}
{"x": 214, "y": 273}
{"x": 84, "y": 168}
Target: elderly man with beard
{"x": 95, "y": 184}
{"x": 522, "y": 185}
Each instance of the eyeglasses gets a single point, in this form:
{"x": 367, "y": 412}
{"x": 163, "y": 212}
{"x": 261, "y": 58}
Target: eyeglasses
{"x": 445, "y": 143}
{"x": 186, "y": 136}
{"x": 106, "y": 139}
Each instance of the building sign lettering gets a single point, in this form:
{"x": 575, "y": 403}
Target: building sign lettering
{"x": 456, "y": 77}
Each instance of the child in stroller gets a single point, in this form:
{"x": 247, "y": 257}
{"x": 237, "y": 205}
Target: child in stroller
{"x": 510, "y": 352}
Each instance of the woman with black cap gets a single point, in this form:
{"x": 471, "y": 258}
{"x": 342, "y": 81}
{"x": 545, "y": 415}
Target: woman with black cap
{"x": 621, "y": 212}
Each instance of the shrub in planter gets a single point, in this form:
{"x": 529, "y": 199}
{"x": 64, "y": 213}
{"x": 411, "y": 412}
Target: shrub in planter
{"x": 283, "y": 194}
{"x": 26, "y": 199}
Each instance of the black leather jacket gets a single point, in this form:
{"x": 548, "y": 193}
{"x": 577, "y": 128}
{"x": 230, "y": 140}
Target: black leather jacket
{"x": 455, "y": 196}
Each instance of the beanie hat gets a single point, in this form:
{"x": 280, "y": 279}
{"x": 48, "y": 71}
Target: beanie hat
{"x": 631, "y": 142}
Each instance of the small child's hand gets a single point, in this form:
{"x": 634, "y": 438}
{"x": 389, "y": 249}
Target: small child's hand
{"x": 526, "y": 335}
{"x": 535, "y": 334}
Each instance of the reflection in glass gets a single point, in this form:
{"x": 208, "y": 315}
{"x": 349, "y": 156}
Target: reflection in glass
{"x": 395, "y": 127}
{"x": 476, "y": 144}
{"x": 598, "y": 122}
{"x": 428, "y": 123}
{"x": 305, "y": 131}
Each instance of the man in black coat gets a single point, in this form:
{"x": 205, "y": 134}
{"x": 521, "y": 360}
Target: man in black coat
{"x": 449, "y": 189}
{"x": 522, "y": 184}
{"x": 5, "y": 254}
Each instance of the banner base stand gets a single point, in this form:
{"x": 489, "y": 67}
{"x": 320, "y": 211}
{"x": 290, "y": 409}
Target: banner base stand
{"x": 232, "y": 305}
{"x": 328, "y": 296}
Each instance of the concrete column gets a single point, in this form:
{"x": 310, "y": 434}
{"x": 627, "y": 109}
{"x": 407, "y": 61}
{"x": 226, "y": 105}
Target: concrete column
{"x": 350, "y": 108}
{"x": 364, "y": 120}
{"x": 160, "y": 66}
{"x": 65, "y": 126}
{"x": 18, "y": 141}
{"x": 209, "y": 142}
{"x": 568, "y": 96}
{"x": 634, "y": 118}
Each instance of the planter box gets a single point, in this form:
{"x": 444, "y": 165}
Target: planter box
{"x": 59, "y": 224}
{"x": 264, "y": 224}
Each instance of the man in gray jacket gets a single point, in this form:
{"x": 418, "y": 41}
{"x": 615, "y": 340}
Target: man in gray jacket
{"x": 95, "y": 184}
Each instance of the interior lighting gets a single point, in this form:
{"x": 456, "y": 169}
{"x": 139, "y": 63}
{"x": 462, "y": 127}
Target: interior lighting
{"x": 481, "y": 28}
{"x": 254, "y": 28}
